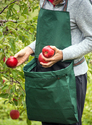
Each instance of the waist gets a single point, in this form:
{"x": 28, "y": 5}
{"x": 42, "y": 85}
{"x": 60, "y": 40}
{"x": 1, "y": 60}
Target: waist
{"x": 79, "y": 62}
{"x": 81, "y": 68}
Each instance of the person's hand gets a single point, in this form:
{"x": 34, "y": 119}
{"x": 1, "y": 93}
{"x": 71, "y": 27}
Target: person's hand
{"x": 23, "y": 55}
{"x": 57, "y": 57}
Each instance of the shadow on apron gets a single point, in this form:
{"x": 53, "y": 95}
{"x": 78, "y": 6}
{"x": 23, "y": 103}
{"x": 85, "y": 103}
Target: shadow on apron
{"x": 59, "y": 65}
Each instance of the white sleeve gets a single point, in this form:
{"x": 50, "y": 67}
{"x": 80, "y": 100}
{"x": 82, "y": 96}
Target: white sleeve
{"x": 83, "y": 19}
{"x": 32, "y": 46}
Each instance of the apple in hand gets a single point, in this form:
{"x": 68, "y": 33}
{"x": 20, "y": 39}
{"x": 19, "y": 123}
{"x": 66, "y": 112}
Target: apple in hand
{"x": 14, "y": 114}
{"x": 40, "y": 58}
{"x": 48, "y": 52}
{"x": 11, "y": 62}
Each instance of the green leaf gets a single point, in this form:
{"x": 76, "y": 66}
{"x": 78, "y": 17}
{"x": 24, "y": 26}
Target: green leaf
{"x": 5, "y": 101}
{"x": 28, "y": 122}
{"x": 22, "y": 38}
{"x": 11, "y": 6}
{"x": 15, "y": 102}
{"x": 1, "y": 55}
{"x": 6, "y": 44}
{"x": 4, "y": 95}
{"x": 5, "y": 1}
{"x": 25, "y": 11}
{"x": 1, "y": 46}
{"x": 5, "y": 87}
{"x": 8, "y": 14}
{"x": 1, "y": 32}
{"x": 12, "y": 44}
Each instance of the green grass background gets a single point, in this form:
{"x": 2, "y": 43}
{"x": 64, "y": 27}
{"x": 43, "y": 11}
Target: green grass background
{"x": 17, "y": 122}
{"x": 4, "y": 108}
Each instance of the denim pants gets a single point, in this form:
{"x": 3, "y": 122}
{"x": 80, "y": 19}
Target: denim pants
{"x": 81, "y": 86}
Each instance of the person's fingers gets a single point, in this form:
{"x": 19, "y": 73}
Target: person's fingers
{"x": 55, "y": 48}
{"x": 52, "y": 60}
{"x": 16, "y": 55}
{"x": 21, "y": 60}
{"x": 48, "y": 59}
{"x": 46, "y": 65}
{"x": 19, "y": 54}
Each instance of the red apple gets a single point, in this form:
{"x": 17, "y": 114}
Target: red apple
{"x": 14, "y": 114}
{"x": 11, "y": 62}
{"x": 48, "y": 52}
{"x": 40, "y": 58}
{"x": 3, "y": 80}
{"x": 14, "y": 99}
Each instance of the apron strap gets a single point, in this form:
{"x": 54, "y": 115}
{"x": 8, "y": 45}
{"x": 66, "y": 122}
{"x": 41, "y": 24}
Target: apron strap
{"x": 80, "y": 62}
{"x": 65, "y": 6}
{"x": 43, "y": 3}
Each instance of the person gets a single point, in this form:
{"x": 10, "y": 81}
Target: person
{"x": 80, "y": 12}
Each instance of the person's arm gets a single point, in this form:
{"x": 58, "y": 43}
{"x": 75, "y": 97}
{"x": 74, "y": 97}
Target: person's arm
{"x": 23, "y": 55}
{"x": 84, "y": 22}
{"x": 32, "y": 46}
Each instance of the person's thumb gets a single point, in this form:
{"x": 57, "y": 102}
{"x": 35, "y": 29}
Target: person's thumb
{"x": 16, "y": 55}
{"x": 53, "y": 47}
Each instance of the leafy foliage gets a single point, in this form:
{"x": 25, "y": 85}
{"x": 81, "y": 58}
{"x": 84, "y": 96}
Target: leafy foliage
{"x": 87, "y": 113}
{"x": 18, "y": 21}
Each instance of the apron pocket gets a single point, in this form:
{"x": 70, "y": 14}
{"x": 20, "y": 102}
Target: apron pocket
{"x": 51, "y": 96}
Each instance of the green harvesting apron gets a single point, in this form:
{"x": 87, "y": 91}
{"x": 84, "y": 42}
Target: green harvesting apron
{"x": 51, "y": 94}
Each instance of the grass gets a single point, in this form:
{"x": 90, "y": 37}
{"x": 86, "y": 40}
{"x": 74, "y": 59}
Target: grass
{"x": 12, "y": 122}
{"x": 17, "y": 122}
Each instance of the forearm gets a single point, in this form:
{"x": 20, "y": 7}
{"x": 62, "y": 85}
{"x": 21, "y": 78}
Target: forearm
{"x": 28, "y": 50}
{"x": 81, "y": 33}
{"x": 78, "y": 50}
{"x": 32, "y": 46}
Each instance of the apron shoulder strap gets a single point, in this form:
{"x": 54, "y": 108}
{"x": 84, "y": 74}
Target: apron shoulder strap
{"x": 43, "y": 3}
{"x": 65, "y": 6}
